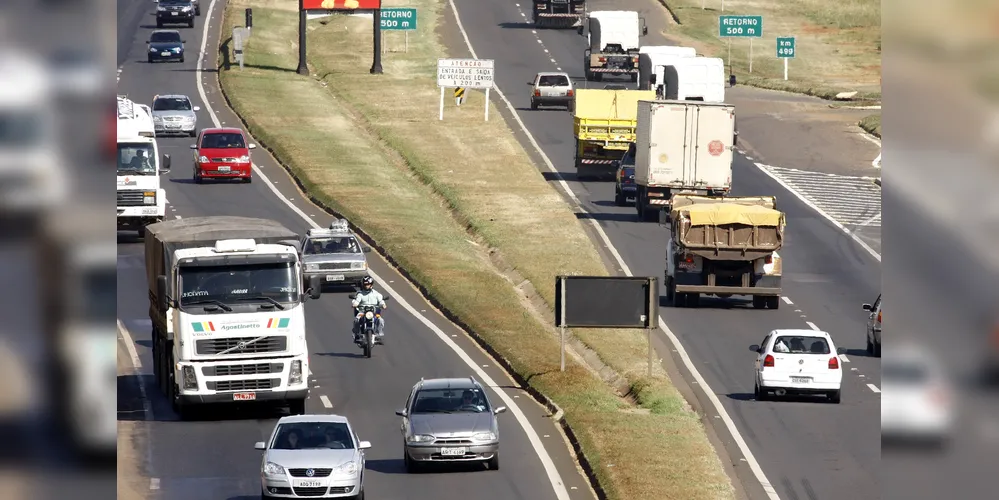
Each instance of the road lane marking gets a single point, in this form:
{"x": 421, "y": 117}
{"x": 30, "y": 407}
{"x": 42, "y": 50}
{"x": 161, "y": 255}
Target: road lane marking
{"x": 754, "y": 465}
{"x": 873, "y": 388}
{"x": 326, "y": 401}
{"x": 843, "y": 358}
{"x": 787, "y": 300}
{"x": 813, "y": 326}
{"x": 554, "y": 477}
{"x": 154, "y": 483}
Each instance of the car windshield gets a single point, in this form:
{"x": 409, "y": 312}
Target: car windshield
{"x": 164, "y": 37}
{"x": 450, "y": 401}
{"x": 174, "y": 2}
{"x": 801, "y": 344}
{"x": 331, "y": 245}
{"x": 907, "y": 373}
{"x": 172, "y": 104}
{"x": 136, "y": 159}
{"x": 313, "y": 436}
{"x": 553, "y": 81}
{"x": 237, "y": 284}
{"x": 223, "y": 141}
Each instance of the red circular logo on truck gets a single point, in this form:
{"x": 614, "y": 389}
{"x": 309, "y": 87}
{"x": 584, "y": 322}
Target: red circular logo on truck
{"x": 715, "y": 148}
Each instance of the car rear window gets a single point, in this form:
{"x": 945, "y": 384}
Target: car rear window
{"x": 223, "y": 141}
{"x": 553, "y": 81}
{"x": 801, "y": 344}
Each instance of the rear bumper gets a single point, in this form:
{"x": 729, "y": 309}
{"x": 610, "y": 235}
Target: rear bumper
{"x": 552, "y": 100}
{"x": 783, "y": 382}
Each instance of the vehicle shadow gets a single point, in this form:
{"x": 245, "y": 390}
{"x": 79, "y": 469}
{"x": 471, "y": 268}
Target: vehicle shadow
{"x": 607, "y": 217}
{"x": 126, "y": 237}
{"x": 711, "y": 303}
{"x": 386, "y": 466}
{"x": 553, "y": 177}
{"x": 859, "y": 353}
{"x": 348, "y": 355}
{"x": 516, "y": 26}
{"x": 182, "y": 180}
{"x": 148, "y": 26}
{"x": 803, "y": 398}
{"x": 741, "y": 396}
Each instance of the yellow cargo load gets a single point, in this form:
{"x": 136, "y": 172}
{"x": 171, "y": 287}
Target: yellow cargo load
{"x": 719, "y": 214}
{"x": 608, "y": 115}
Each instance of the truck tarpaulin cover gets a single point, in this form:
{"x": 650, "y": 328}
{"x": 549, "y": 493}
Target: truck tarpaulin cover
{"x": 718, "y": 214}
{"x": 341, "y": 4}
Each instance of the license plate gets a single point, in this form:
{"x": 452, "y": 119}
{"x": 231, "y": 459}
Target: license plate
{"x": 334, "y": 277}
{"x": 165, "y": 54}
{"x": 452, "y": 452}
{"x": 244, "y": 396}
{"x": 173, "y": 125}
{"x": 308, "y": 483}
{"x": 801, "y": 380}
{"x": 148, "y": 211}
{"x": 174, "y": 13}
{"x": 687, "y": 265}
{"x": 224, "y": 169}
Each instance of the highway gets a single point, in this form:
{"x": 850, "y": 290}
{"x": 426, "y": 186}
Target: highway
{"x": 806, "y": 449}
{"x": 214, "y": 459}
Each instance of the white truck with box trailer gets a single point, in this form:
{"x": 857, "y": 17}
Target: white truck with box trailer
{"x": 227, "y": 307}
{"x": 613, "y": 39}
{"x": 681, "y": 147}
{"x": 652, "y": 59}
{"x": 677, "y": 78}
{"x": 141, "y": 200}
{"x": 724, "y": 247}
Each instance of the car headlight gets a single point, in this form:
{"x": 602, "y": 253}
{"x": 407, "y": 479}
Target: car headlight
{"x": 177, "y": 49}
{"x": 422, "y": 439}
{"x": 369, "y": 315}
{"x": 202, "y": 159}
{"x": 273, "y": 469}
{"x": 152, "y": 49}
{"x": 157, "y": 118}
{"x": 347, "y": 469}
{"x": 190, "y": 119}
{"x": 359, "y": 265}
{"x": 243, "y": 159}
{"x": 187, "y": 9}
{"x": 160, "y": 9}
{"x": 484, "y": 436}
{"x": 311, "y": 267}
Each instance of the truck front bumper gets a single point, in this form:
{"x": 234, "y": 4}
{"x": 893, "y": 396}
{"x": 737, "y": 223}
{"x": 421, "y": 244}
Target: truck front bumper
{"x": 227, "y": 397}
{"x": 128, "y": 222}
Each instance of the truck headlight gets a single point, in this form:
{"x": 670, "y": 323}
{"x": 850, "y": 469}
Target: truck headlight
{"x": 149, "y": 198}
{"x": 360, "y": 266}
{"x": 190, "y": 379}
{"x": 311, "y": 267}
{"x": 272, "y": 469}
{"x": 295, "y": 373}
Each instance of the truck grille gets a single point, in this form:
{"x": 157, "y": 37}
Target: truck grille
{"x": 254, "y": 369}
{"x": 334, "y": 265}
{"x": 130, "y": 198}
{"x": 268, "y": 344}
{"x": 243, "y": 385}
{"x": 317, "y": 472}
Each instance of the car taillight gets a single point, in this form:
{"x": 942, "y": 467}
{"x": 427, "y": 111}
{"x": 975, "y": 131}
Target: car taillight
{"x": 879, "y": 316}
{"x": 769, "y": 259}
{"x": 537, "y": 93}
{"x": 768, "y": 361}
{"x": 688, "y": 259}
{"x": 834, "y": 363}
{"x": 602, "y": 59}
{"x": 569, "y": 93}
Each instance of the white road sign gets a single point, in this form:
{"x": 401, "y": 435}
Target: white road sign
{"x": 467, "y": 73}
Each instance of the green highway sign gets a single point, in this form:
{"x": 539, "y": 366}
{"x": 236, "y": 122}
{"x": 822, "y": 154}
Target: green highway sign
{"x": 398, "y": 19}
{"x": 740, "y": 26}
{"x": 785, "y": 47}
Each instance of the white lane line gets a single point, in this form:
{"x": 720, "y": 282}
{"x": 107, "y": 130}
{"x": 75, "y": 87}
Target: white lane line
{"x": 786, "y": 300}
{"x": 326, "y": 401}
{"x": 843, "y": 358}
{"x": 873, "y": 388}
{"x": 554, "y": 477}
{"x": 177, "y": 216}
{"x": 129, "y": 346}
{"x": 147, "y": 407}
{"x": 870, "y": 138}
{"x": 154, "y": 483}
{"x": 754, "y": 465}
{"x": 821, "y": 212}
{"x": 812, "y": 326}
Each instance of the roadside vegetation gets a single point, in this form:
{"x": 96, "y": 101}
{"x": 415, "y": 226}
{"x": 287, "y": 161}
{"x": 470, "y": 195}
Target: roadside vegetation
{"x": 872, "y": 124}
{"x": 837, "y": 44}
{"x": 459, "y": 206}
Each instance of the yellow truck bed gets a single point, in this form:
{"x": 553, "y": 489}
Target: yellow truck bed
{"x": 608, "y": 116}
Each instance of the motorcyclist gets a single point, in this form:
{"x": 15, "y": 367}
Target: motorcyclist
{"x": 368, "y": 297}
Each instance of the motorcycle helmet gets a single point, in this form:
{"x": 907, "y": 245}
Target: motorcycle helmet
{"x": 367, "y": 283}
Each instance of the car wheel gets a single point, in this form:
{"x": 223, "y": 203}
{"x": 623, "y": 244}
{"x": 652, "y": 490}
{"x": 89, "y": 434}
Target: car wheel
{"x": 247, "y": 179}
{"x": 534, "y": 105}
{"x": 758, "y": 393}
{"x": 190, "y": 24}
{"x": 493, "y": 463}
{"x": 159, "y": 24}
{"x": 193, "y": 133}
{"x": 412, "y": 467}
{"x": 870, "y": 346}
{"x": 619, "y": 198}
{"x": 181, "y": 58}
{"x": 571, "y": 107}
{"x": 834, "y": 397}
{"x": 149, "y": 59}
{"x": 197, "y": 178}
{"x": 773, "y": 302}
{"x": 759, "y": 302}
{"x": 877, "y": 349}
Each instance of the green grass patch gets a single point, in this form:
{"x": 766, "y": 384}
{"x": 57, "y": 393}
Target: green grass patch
{"x": 872, "y": 124}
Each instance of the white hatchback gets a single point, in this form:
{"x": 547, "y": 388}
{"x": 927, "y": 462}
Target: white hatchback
{"x": 797, "y": 362}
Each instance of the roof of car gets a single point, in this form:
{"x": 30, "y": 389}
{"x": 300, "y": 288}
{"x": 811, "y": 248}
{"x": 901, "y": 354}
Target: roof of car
{"x": 165, "y": 31}
{"x": 449, "y": 383}
{"x": 221, "y": 130}
{"x": 171, "y": 96}
{"x": 803, "y": 332}
{"x": 553, "y": 73}
{"x": 317, "y": 417}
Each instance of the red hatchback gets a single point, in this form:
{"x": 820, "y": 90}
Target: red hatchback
{"x": 222, "y": 153}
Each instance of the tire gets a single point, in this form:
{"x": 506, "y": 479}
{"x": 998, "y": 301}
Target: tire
{"x": 197, "y": 10}
{"x": 877, "y": 349}
{"x": 679, "y": 299}
{"x": 149, "y": 59}
{"x": 534, "y": 105}
{"x": 634, "y": 78}
{"x": 759, "y": 302}
{"x": 619, "y": 198}
{"x": 296, "y": 407}
{"x": 190, "y": 23}
{"x": 248, "y": 179}
{"x": 197, "y": 178}
{"x": 773, "y": 302}
{"x": 758, "y": 393}
{"x": 412, "y": 466}
{"x": 493, "y": 463}
{"x": 181, "y": 58}
{"x": 598, "y": 77}
{"x": 367, "y": 347}
{"x": 193, "y": 133}
{"x": 870, "y": 347}
{"x": 669, "y": 288}
{"x": 693, "y": 299}
{"x": 835, "y": 397}
{"x": 571, "y": 107}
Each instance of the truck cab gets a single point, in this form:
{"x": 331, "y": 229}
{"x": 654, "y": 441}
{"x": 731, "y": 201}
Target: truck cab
{"x": 140, "y": 198}
{"x": 613, "y": 43}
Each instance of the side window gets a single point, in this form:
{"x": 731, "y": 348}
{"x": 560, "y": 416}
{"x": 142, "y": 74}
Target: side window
{"x": 763, "y": 344}
{"x": 877, "y": 303}
{"x": 409, "y": 401}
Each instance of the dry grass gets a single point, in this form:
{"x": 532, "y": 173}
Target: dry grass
{"x": 837, "y": 44}
{"x": 872, "y": 124}
{"x": 479, "y": 220}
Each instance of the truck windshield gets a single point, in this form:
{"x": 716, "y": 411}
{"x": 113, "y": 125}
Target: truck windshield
{"x": 136, "y": 159}
{"x": 239, "y": 284}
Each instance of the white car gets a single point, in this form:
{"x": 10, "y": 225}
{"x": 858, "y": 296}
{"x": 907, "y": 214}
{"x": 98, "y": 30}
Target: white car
{"x": 797, "y": 362}
{"x": 316, "y": 456}
{"x": 916, "y": 398}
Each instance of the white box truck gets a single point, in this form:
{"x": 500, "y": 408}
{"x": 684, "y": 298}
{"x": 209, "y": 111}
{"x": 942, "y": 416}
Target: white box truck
{"x": 613, "y": 39}
{"x": 681, "y": 147}
{"x": 688, "y": 78}
{"x": 652, "y": 59}
{"x": 141, "y": 200}
{"x": 226, "y": 300}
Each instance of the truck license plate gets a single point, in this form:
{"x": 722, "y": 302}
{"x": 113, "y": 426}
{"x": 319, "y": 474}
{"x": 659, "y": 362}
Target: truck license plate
{"x": 801, "y": 380}
{"x": 244, "y": 396}
{"x": 334, "y": 277}
{"x": 224, "y": 168}
{"x": 308, "y": 483}
{"x": 452, "y": 452}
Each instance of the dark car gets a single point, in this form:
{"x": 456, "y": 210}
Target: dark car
{"x": 165, "y": 45}
{"x": 175, "y": 12}
{"x": 625, "y": 187}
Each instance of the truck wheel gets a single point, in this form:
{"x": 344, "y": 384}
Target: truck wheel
{"x": 669, "y": 288}
{"x": 634, "y": 78}
{"x": 773, "y": 302}
{"x": 571, "y": 107}
{"x": 679, "y": 299}
{"x": 598, "y": 77}
{"x": 759, "y": 302}
{"x": 296, "y": 407}
{"x": 693, "y": 299}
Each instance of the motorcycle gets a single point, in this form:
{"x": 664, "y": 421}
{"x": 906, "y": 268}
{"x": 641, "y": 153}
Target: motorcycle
{"x": 366, "y": 325}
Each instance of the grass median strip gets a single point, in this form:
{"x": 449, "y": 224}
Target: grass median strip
{"x": 459, "y": 205}
{"x": 837, "y": 44}
{"x": 872, "y": 124}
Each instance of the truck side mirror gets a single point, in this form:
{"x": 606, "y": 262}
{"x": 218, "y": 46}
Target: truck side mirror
{"x": 645, "y": 27}
{"x": 735, "y": 138}
{"x": 755, "y": 348}
{"x": 165, "y": 167}
{"x": 161, "y": 292}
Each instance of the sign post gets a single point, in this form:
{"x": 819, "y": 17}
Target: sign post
{"x": 465, "y": 74}
{"x": 785, "y": 50}
{"x": 740, "y": 27}
{"x": 459, "y": 96}
{"x": 311, "y": 9}
{"x": 399, "y": 20}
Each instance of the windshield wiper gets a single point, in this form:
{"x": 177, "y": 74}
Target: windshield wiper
{"x": 261, "y": 297}
{"x": 208, "y": 301}
{"x": 435, "y": 411}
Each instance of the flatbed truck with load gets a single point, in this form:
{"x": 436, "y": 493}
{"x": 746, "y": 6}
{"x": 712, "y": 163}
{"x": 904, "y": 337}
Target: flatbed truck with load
{"x": 681, "y": 147}
{"x": 227, "y": 307}
{"x": 724, "y": 247}
{"x": 604, "y": 123}
{"x": 559, "y": 13}
{"x": 613, "y": 43}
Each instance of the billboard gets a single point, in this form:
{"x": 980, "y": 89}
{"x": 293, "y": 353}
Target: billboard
{"x": 341, "y": 4}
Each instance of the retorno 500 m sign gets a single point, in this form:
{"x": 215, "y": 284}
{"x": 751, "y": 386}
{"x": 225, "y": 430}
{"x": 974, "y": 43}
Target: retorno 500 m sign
{"x": 341, "y": 4}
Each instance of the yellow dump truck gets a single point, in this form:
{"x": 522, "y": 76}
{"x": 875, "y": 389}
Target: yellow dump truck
{"x": 604, "y": 125}
{"x": 724, "y": 246}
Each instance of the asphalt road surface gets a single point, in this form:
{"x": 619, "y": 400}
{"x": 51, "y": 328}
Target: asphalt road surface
{"x": 214, "y": 459}
{"x": 807, "y": 449}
